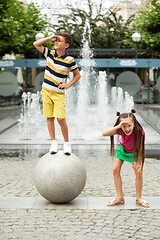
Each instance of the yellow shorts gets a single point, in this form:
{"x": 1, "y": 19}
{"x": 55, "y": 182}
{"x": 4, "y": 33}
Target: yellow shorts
{"x": 54, "y": 104}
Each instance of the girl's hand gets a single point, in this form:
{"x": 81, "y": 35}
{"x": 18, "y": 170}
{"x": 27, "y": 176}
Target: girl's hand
{"x": 122, "y": 123}
{"x": 136, "y": 165}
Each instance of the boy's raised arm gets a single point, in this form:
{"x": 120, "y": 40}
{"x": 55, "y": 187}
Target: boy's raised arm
{"x": 38, "y": 44}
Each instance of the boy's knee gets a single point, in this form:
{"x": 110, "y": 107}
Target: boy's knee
{"x": 60, "y": 120}
{"x": 50, "y": 119}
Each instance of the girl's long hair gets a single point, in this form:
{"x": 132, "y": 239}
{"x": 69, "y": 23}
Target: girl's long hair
{"x": 139, "y": 138}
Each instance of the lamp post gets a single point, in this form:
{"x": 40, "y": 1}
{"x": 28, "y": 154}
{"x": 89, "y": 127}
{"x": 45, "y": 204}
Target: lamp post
{"x": 39, "y": 36}
{"x": 136, "y": 37}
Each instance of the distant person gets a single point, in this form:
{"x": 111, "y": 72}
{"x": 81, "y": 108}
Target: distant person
{"x": 58, "y": 66}
{"x": 142, "y": 85}
{"x": 20, "y": 90}
{"x": 130, "y": 149}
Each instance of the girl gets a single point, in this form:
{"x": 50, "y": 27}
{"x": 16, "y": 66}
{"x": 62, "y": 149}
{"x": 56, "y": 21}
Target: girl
{"x": 130, "y": 149}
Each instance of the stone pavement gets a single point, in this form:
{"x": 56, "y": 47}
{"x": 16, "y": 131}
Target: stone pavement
{"x": 21, "y": 218}
{"x": 79, "y": 224}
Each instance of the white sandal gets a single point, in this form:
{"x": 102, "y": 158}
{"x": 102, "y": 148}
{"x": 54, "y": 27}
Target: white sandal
{"x": 142, "y": 203}
{"x": 115, "y": 202}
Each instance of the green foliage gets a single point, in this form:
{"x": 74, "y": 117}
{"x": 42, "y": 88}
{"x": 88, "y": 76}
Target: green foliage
{"x": 107, "y": 30}
{"x": 18, "y": 26}
{"x": 147, "y": 23}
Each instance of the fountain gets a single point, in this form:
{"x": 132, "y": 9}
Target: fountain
{"x": 31, "y": 118}
{"x": 91, "y": 105}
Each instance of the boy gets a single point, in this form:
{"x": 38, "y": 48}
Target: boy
{"x": 58, "y": 66}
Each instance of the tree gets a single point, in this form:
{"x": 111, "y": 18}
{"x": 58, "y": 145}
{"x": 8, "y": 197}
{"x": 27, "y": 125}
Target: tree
{"x": 107, "y": 30}
{"x": 111, "y": 32}
{"x": 18, "y": 26}
{"x": 147, "y": 23}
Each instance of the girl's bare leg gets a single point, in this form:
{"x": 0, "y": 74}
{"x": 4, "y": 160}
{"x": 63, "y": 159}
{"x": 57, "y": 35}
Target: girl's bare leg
{"x": 139, "y": 182}
{"x": 117, "y": 178}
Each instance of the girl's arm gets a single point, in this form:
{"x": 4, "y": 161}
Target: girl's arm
{"x": 110, "y": 131}
{"x": 138, "y": 164}
{"x": 113, "y": 130}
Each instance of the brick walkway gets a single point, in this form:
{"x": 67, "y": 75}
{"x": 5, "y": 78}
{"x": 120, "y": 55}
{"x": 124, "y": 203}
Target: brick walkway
{"x": 54, "y": 223}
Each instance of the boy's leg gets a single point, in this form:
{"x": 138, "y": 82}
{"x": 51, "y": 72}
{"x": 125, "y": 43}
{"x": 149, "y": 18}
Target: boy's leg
{"x": 64, "y": 128}
{"x": 60, "y": 114}
{"x": 48, "y": 110}
{"x": 51, "y": 127}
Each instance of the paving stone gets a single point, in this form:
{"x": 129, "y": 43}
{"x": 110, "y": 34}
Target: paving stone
{"x": 71, "y": 224}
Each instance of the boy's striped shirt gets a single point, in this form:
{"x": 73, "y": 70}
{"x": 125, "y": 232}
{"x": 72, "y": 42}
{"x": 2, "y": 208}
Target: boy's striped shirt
{"x": 57, "y": 69}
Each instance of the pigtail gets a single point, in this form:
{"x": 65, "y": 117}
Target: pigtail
{"x": 139, "y": 141}
{"x": 143, "y": 149}
{"x": 112, "y": 137}
{"x": 133, "y": 111}
{"x": 112, "y": 146}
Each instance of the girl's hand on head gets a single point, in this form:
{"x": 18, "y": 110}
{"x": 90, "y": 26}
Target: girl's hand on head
{"x": 122, "y": 123}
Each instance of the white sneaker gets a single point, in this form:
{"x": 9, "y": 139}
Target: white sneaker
{"x": 67, "y": 148}
{"x": 54, "y": 147}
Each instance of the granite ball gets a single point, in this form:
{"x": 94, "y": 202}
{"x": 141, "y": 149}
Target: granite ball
{"x": 60, "y": 178}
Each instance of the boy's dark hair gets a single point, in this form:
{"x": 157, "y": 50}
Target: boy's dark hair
{"x": 67, "y": 37}
{"x": 139, "y": 138}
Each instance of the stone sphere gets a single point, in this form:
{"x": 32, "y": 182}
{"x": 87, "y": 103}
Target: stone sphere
{"x": 60, "y": 178}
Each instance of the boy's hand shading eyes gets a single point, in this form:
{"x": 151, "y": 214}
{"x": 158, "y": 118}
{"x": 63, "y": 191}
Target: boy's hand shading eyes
{"x": 53, "y": 38}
